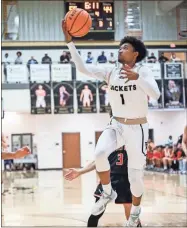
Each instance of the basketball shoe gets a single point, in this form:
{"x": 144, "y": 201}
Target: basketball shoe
{"x": 101, "y": 204}
{"x": 134, "y": 220}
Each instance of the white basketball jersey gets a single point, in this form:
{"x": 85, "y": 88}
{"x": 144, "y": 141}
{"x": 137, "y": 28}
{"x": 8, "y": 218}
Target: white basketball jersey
{"x": 127, "y": 99}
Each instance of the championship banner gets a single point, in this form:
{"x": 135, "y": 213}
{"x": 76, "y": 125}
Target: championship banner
{"x": 17, "y": 73}
{"x": 40, "y": 98}
{"x": 155, "y": 68}
{"x": 63, "y": 97}
{"x": 156, "y": 104}
{"x": 103, "y": 97}
{"x": 61, "y": 72}
{"x": 40, "y": 72}
{"x": 3, "y": 73}
{"x": 173, "y": 70}
{"x": 86, "y": 95}
{"x": 173, "y": 93}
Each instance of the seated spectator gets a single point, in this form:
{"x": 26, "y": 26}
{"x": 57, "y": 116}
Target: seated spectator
{"x": 174, "y": 58}
{"x": 168, "y": 158}
{"x": 170, "y": 141}
{"x": 46, "y": 59}
{"x": 89, "y": 58}
{"x": 151, "y": 143}
{"x": 162, "y": 58}
{"x": 102, "y": 58}
{"x": 180, "y": 159}
{"x": 149, "y": 157}
{"x": 157, "y": 157}
{"x": 32, "y": 61}
{"x": 64, "y": 58}
{"x": 112, "y": 59}
{"x": 152, "y": 58}
{"x": 18, "y": 59}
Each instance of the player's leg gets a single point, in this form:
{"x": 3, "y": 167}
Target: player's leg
{"x": 127, "y": 209}
{"x": 93, "y": 220}
{"x": 107, "y": 143}
{"x": 137, "y": 136}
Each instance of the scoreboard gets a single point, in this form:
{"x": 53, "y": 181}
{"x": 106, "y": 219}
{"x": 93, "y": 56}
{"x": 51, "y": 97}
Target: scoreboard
{"x": 102, "y": 13}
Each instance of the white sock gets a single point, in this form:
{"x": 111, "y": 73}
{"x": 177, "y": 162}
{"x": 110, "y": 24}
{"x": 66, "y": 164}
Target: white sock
{"x": 107, "y": 188}
{"x": 165, "y": 167}
{"x": 135, "y": 209}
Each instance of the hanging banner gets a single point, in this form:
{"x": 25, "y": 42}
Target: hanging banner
{"x": 17, "y": 73}
{"x": 173, "y": 70}
{"x": 40, "y": 72}
{"x": 63, "y": 97}
{"x": 103, "y": 97}
{"x": 156, "y": 104}
{"x": 155, "y": 68}
{"x": 40, "y": 98}
{"x": 61, "y": 72}
{"x": 86, "y": 95}
{"x": 173, "y": 93}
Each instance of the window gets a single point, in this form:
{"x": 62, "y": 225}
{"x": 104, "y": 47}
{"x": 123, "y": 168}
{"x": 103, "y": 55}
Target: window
{"x": 21, "y": 140}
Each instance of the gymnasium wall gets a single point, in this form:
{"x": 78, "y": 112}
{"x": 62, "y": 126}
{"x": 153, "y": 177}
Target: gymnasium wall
{"x": 41, "y": 21}
{"x": 47, "y": 130}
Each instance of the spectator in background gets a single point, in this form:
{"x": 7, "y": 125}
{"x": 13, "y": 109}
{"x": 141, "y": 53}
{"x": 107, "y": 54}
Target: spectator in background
{"x": 18, "y": 59}
{"x": 149, "y": 157}
{"x": 170, "y": 141}
{"x": 31, "y": 61}
{"x": 152, "y": 58}
{"x": 46, "y": 59}
{"x": 157, "y": 158}
{"x": 64, "y": 58}
{"x": 162, "y": 58}
{"x": 102, "y": 58}
{"x": 180, "y": 158}
{"x": 6, "y": 62}
{"x": 112, "y": 59}
{"x": 174, "y": 58}
{"x": 89, "y": 58}
{"x": 168, "y": 158}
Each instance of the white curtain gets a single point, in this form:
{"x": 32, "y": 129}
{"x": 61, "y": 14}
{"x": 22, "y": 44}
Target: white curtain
{"x": 40, "y": 20}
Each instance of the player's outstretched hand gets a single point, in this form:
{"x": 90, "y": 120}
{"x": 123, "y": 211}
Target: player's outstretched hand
{"x": 22, "y": 152}
{"x": 68, "y": 37}
{"x": 71, "y": 174}
{"x": 128, "y": 73}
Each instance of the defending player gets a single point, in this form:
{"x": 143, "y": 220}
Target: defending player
{"x": 119, "y": 181}
{"x": 129, "y": 87}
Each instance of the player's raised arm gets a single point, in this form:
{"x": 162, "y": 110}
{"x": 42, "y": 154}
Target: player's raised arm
{"x": 147, "y": 82}
{"x": 99, "y": 73}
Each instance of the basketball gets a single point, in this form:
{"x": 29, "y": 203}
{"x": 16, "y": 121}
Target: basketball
{"x": 78, "y": 22}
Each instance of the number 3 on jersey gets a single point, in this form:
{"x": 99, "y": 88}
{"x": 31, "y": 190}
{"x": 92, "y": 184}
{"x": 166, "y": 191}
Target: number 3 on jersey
{"x": 122, "y": 99}
{"x": 120, "y": 159}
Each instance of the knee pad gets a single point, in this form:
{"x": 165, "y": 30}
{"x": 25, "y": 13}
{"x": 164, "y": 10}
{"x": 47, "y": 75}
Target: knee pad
{"x": 136, "y": 181}
{"x": 101, "y": 160}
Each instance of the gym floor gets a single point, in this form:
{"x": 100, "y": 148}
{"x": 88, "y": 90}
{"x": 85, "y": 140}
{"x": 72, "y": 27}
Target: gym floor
{"x": 44, "y": 198}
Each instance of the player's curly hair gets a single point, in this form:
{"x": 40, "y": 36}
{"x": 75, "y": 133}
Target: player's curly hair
{"x": 138, "y": 46}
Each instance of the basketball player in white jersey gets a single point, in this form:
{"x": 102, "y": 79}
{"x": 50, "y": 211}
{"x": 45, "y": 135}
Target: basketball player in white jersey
{"x": 40, "y": 97}
{"x": 86, "y": 96}
{"x": 129, "y": 87}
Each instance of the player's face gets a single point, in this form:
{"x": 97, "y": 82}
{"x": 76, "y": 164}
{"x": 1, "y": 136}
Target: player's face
{"x": 127, "y": 54}
{"x": 40, "y": 87}
{"x": 86, "y": 87}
